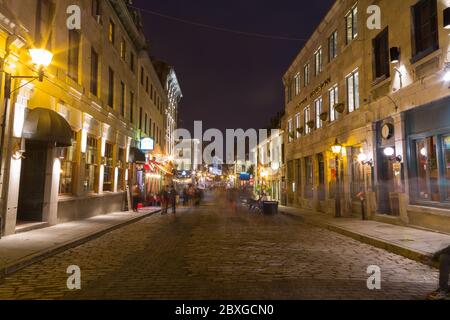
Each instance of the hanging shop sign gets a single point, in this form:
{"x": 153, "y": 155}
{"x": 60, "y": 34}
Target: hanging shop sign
{"x": 147, "y": 144}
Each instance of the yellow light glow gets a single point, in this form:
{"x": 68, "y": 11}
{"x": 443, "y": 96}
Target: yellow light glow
{"x": 362, "y": 157}
{"x": 336, "y": 148}
{"x": 41, "y": 57}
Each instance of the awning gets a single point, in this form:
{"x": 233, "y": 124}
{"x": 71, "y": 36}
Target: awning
{"x": 46, "y": 125}
{"x": 136, "y": 156}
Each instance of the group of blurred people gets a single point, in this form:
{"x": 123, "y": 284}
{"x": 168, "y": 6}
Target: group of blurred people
{"x": 192, "y": 196}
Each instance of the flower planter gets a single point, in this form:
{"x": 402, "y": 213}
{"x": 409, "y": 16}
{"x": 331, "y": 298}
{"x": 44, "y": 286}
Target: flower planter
{"x": 324, "y": 116}
{"x": 340, "y": 107}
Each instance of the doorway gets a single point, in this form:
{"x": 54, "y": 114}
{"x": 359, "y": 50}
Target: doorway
{"x": 385, "y": 185}
{"x": 321, "y": 167}
{"x": 32, "y": 182}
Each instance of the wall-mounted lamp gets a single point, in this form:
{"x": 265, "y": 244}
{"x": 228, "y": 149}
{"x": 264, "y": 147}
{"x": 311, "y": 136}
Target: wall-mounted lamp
{"x": 447, "y": 18}
{"x": 390, "y": 153}
{"x": 395, "y": 54}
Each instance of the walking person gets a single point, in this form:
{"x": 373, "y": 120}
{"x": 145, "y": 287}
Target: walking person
{"x": 173, "y": 199}
{"x": 136, "y": 194}
{"x": 164, "y": 200}
{"x": 442, "y": 293}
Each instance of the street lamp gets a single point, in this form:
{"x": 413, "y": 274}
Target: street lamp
{"x": 336, "y": 148}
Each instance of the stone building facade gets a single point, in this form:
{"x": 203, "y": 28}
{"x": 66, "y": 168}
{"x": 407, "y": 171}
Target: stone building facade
{"x": 92, "y": 86}
{"x": 384, "y": 95}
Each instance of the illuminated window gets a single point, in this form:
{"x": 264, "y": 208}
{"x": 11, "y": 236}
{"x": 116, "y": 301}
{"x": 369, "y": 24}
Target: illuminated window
{"x": 351, "y": 24}
{"x": 290, "y": 130}
{"x": 68, "y": 163}
{"x": 332, "y": 46}
{"x": 318, "y": 59}
{"x": 318, "y": 110}
{"x": 123, "y": 50}
{"x": 298, "y": 124}
{"x": 353, "y": 91}
{"x": 297, "y": 83}
{"x": 333, "y": 100}
{"x": 112, "y": 32}
{"x": 307, "y": 117}
{"x": 91, "y": 164}
{"x": 120, "y": 169}
{"x": 108, "y": 174}
{"x": 306, "y": 74}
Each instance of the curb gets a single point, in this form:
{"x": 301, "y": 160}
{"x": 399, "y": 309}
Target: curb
{"x": 418, "y": 256}
{"x": 45, "y": 254}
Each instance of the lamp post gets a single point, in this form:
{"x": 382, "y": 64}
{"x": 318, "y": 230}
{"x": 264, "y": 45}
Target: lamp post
{"x": 41, "y": 58}
{"x": 337, "y": 149}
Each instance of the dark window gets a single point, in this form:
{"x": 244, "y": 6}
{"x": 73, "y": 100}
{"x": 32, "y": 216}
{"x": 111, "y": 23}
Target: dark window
{"x": 74, "y": 54}
{"x": 131, "y": 106}
{"x": 309, "y": 177}
{"x": 132, "y": 61}
{"x": 140, "y": 118}
{"x": 122, "y": 99}
{"x": 381, "y": 55}
{"x": 94, "y": 72}
{"x": 111, "y": 88}
{"x": 142, "y": 76}
{"x": 145, "y": 124}
{"x": 425, "y": 32}
{"x": 95, "y": 8}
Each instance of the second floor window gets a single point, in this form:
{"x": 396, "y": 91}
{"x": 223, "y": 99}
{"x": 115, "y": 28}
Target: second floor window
{"x": 298, "y": 124}
{"x": 94, "y": 72}
{"x": 111, "y": 88}
{"x": 318, "y": 61}
{"x": 318, "y": 109}
{"x": 74, "y": 54}
{"x": 289, "y": 92}
{"x": 351, "y": 24}
{"x": 332, "y": 46}
{"x": 425, "y": 28}
{"x": 333, "y": 100}
{"x": 306, "y": 74}
{"x": 353, "y": 91}
{"x": 307, "y": 117}
{"x": 122, "y": 99}
{"x": 381, "y": 55}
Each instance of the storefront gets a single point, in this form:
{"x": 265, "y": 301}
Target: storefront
{"x": 428, "y": 144}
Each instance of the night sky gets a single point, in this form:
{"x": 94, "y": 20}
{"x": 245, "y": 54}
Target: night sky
{"x": 230, "y": 80}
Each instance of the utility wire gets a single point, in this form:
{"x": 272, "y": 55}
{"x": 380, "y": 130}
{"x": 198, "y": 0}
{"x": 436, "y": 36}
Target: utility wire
{"x": 215, "y": 28}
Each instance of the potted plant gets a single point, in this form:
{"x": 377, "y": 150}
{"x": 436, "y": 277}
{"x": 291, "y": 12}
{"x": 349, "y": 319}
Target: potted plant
{"x": 324, "y": 116}
{"x": 339, "y": 107}
{"x": 310, "y": 124}
{"x": 300, "y": 130}
{"x": 292, "y": 135}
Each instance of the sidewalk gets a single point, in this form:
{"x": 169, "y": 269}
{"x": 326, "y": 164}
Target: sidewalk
{"x": 20, "y": 250}
{"x": 416, "y": 244}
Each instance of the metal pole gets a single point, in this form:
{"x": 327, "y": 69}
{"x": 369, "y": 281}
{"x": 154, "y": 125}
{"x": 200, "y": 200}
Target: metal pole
{"x": 338, "y": 191}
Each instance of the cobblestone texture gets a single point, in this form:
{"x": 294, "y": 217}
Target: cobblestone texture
{"x": 213, "y": 252}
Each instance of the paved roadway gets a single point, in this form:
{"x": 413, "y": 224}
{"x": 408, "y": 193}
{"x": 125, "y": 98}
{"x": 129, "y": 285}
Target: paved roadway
{"x": 214, "y": 252}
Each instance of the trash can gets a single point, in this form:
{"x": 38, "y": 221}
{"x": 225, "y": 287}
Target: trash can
{"x": 270, "y": 207}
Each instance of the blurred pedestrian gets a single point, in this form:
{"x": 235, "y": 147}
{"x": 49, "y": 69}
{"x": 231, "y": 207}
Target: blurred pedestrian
{"x": 173, "y": 199}
{"x": 164, "y": 199}
{"x": 136, "y": 197}
{"x": 442, "y": 293}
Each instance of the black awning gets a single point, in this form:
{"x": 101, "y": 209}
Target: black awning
{"x": 46, "y": 125}
{"x": 136, "y": 156}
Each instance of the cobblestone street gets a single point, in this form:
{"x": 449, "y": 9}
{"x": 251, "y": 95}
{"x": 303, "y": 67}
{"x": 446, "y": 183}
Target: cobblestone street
{"x": 212, "y": 252}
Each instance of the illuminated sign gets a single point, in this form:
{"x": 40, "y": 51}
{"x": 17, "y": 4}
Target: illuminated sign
{"x": 147, "y": 144}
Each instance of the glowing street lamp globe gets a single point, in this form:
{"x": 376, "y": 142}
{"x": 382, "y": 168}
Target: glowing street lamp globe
{"x": 336, "y": 148}
{"x": 41, "y": 57}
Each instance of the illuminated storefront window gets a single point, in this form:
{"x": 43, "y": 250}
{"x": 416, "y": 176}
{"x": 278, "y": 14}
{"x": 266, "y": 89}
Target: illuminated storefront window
{"x": 91, "y": 164}
{"x": 68, "y": 164}
{"x": 108, "y": 174}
